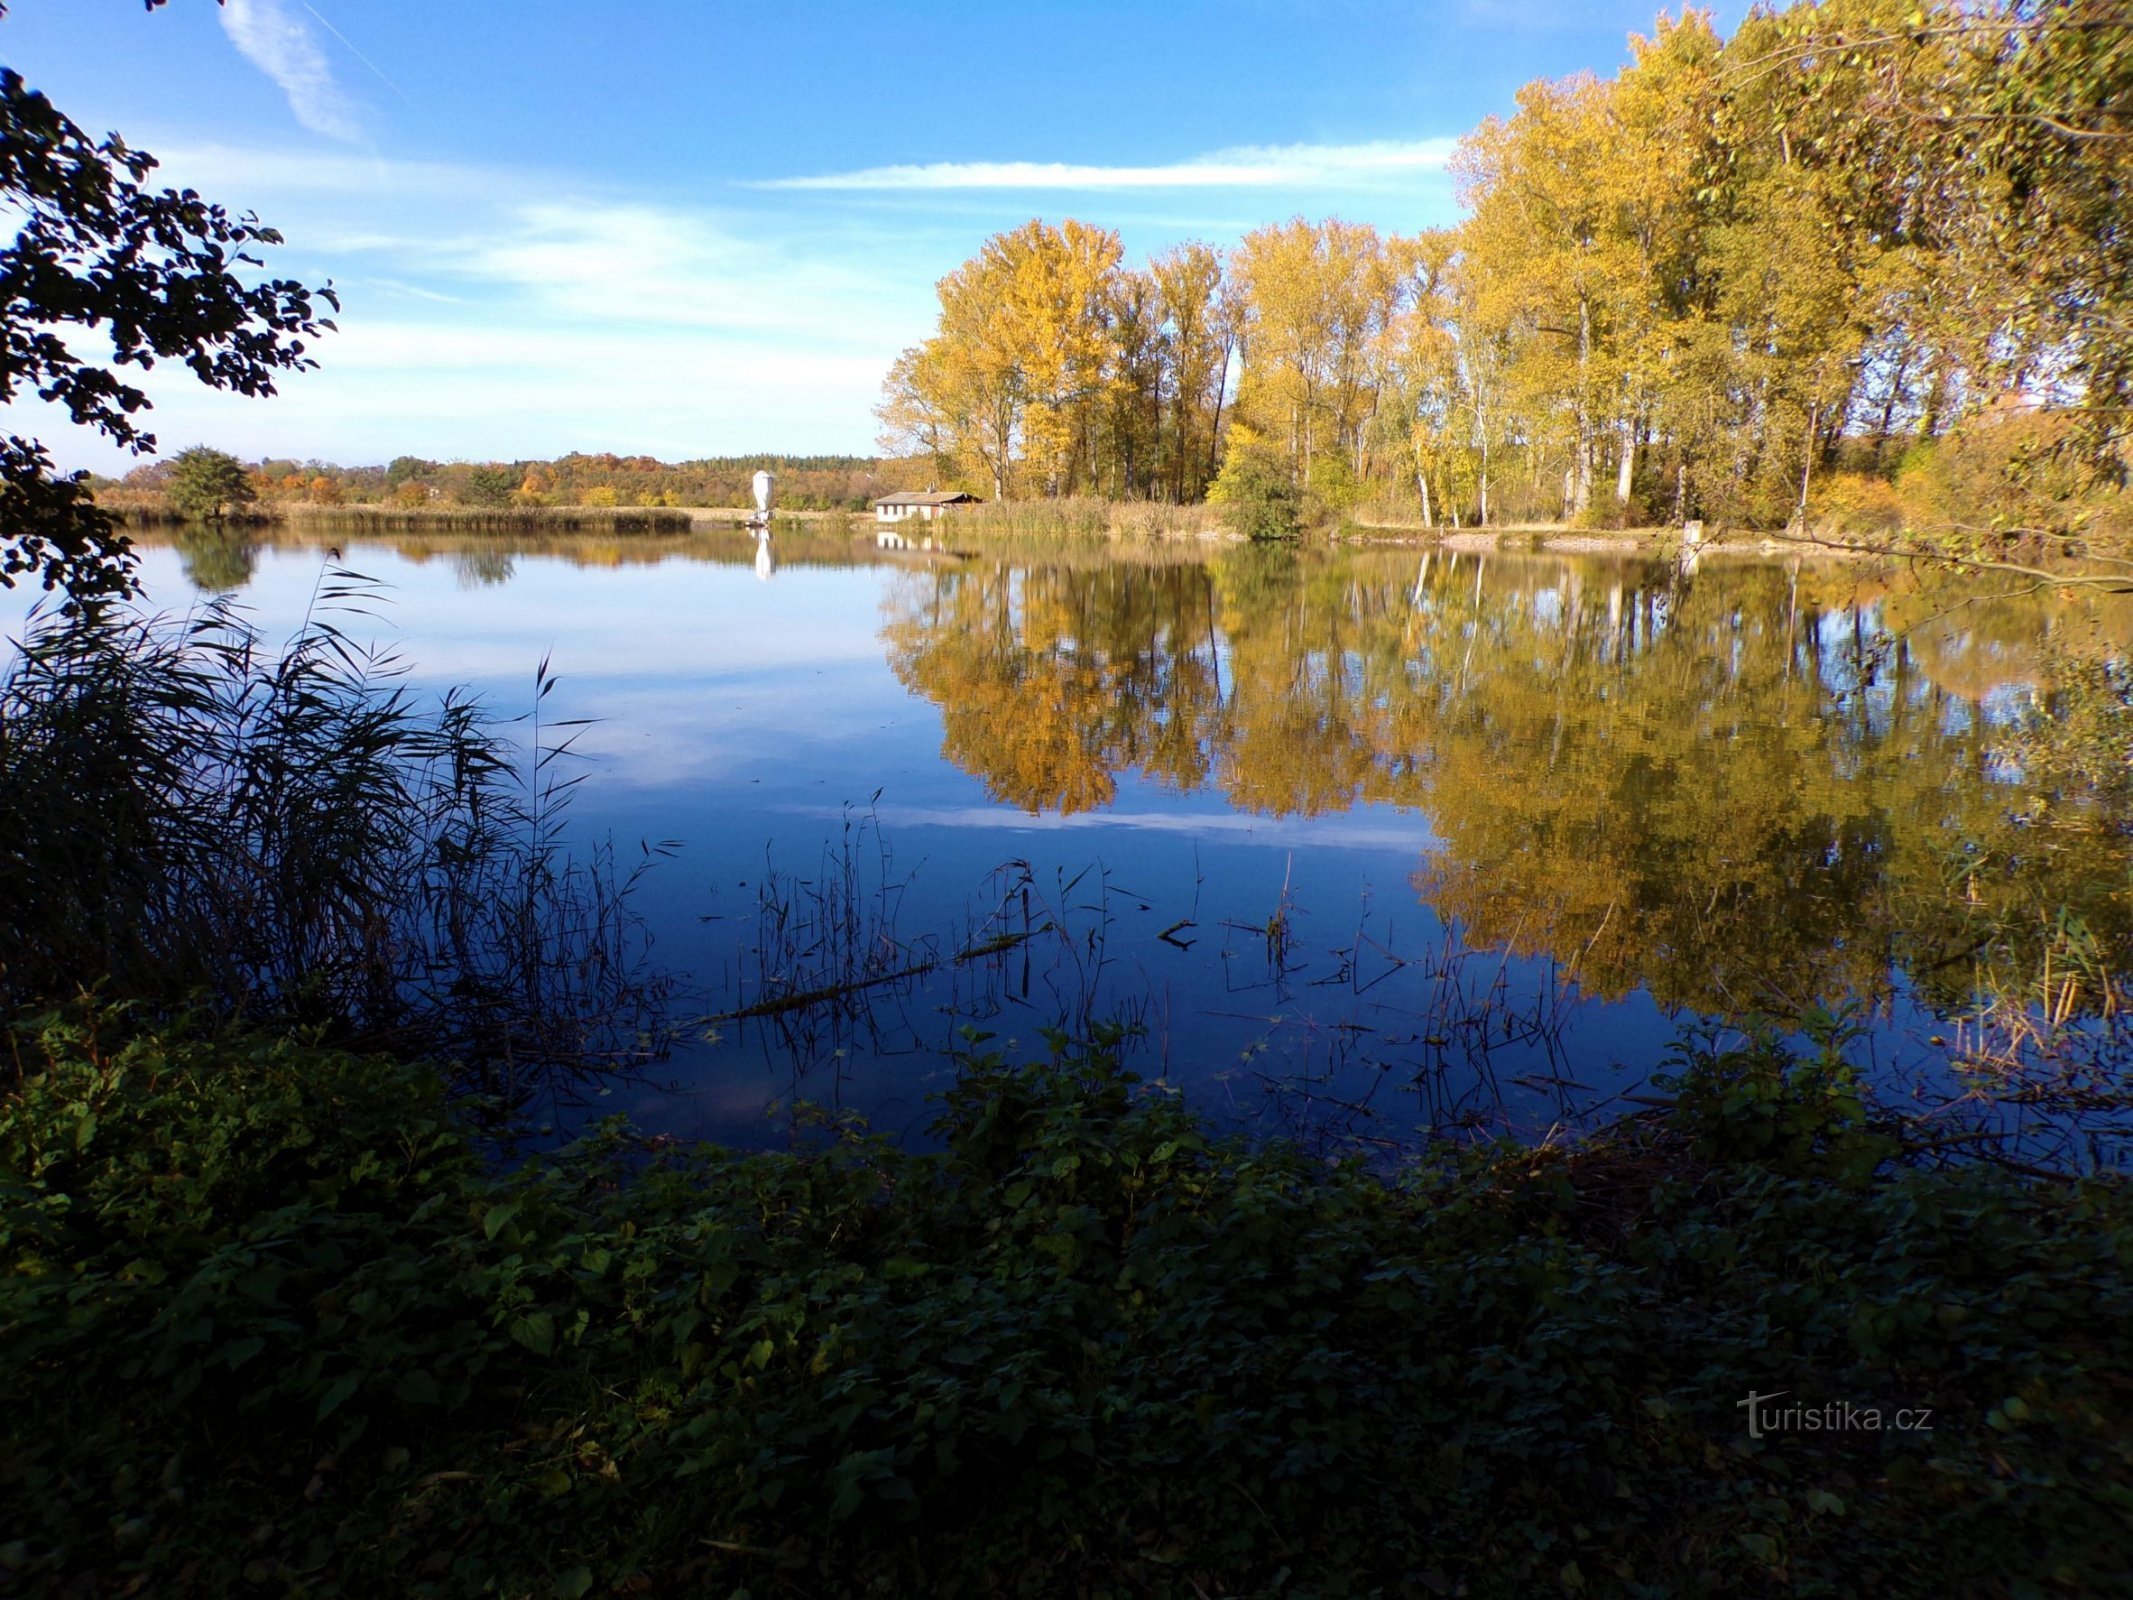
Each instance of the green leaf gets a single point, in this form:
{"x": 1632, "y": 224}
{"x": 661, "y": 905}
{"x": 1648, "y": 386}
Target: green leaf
{"x": 238, "y": 1351}
{"x": 337, "y": 1395}
{"x": 535, "y": 1330}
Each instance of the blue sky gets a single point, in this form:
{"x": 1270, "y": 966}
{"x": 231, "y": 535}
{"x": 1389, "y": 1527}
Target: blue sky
{"x": 705, "y": 229}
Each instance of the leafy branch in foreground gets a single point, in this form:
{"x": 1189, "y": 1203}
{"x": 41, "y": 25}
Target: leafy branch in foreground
{"x": 154, "y": 272}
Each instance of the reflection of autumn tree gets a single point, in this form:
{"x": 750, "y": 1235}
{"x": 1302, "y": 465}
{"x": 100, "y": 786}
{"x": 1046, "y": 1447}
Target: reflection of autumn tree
{"x": 1051, "y": 680}
{"x": 1664, "y": 790}
{"x": 1300, "y": 733}
{"x": 1729, "y": 797}
{"x": 1742, "y": 790}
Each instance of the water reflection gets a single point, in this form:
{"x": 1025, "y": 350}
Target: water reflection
{"x": 483, "y": 568}
{"x": 1507, "y": 811}
{"x": 217, "y": 560}
{"x": 1751, "y": 787}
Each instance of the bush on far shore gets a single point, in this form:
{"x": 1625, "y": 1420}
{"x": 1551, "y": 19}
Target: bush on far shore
{"x": 1257, "y": 497}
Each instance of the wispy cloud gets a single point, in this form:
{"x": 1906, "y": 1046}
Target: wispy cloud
{"x": 230, "y": 171}
{"x": 283, "y": 47}
{"x": 1348, "y": 166}
{"x": 510, "y": 312}
{"x": 615, "y": 264}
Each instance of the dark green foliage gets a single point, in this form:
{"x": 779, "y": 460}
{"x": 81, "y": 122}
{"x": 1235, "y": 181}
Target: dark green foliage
{"x": 1761, "y": 1103}
{"x": 1258, "y": 498}
{"x": 207, "y": 483}
{"x": 51, "y": 530}
{"x": 154, "y": 273}
{"x": 271, "y": 1322}
{"x": 489, "y": 486}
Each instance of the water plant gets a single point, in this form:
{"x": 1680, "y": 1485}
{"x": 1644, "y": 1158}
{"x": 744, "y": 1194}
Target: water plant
{"x": 202, "y": 820}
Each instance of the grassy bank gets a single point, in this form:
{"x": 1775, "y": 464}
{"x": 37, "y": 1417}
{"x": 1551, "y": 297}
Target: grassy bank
{"x": 273, "y": 1324}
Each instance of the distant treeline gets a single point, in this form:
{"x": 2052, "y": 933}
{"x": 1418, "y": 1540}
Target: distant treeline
{"x": 1864, "y": 261}
{"x": 805, "y": 483}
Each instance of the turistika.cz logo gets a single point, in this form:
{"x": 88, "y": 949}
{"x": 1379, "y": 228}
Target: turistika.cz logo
{"x": 1832, "y": 1416}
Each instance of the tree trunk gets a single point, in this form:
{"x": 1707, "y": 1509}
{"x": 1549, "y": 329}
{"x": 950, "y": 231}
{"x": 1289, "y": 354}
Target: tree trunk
{"x": 1807, "y": 467}
{"x": 1626, "y": 479}
{"x": 1583, "y": 500}
{"x": 1214, "y": 427}
{"x": 1888, "y": 409}
{"x": 1422, "y": 483}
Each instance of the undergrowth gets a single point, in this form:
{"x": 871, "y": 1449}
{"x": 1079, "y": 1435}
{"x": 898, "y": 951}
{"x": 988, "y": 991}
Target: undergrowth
{"x": 276, "y": 1323}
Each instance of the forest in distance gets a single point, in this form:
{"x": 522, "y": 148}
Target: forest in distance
{"x": 272, "y": 487}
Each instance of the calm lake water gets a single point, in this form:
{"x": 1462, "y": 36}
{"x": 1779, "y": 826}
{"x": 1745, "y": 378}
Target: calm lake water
{"x": 1366, "y": 841}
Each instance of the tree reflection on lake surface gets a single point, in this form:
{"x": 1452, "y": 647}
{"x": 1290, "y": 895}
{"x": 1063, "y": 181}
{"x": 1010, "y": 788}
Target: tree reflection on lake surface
{"x": 1745, "y": 790}
{"x": 1383, "y": 837}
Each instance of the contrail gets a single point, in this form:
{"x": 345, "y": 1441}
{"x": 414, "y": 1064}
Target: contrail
{"x": 352, "y": 50}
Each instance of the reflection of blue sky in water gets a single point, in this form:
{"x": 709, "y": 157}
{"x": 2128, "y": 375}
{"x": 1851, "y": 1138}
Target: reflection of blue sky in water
{"x": 753, "y": 721}
{"x": 1398, "y": 832}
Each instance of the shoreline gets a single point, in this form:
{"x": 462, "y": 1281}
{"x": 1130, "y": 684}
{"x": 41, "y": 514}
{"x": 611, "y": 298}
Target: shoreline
{"x": 670, "y": 522}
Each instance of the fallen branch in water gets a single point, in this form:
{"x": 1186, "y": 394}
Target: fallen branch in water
{"x": 782, "y": 1004}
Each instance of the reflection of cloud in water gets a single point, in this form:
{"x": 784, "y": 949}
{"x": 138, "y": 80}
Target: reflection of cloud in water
{"x": 731, "y": 727}
{"x": 1338, "y": 833}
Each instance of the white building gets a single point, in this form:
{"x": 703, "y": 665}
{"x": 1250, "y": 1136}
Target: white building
{"x": 925, "y": 505}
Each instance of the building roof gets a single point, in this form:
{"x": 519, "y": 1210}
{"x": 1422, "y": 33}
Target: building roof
{"x": 929, "y": 497}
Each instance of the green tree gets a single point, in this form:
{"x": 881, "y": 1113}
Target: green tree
{"x": 206, "y": 483}
{"x": 489, "y": 486}
{"x": 155, "y": 273}
{"x": 1258, "y": 498}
